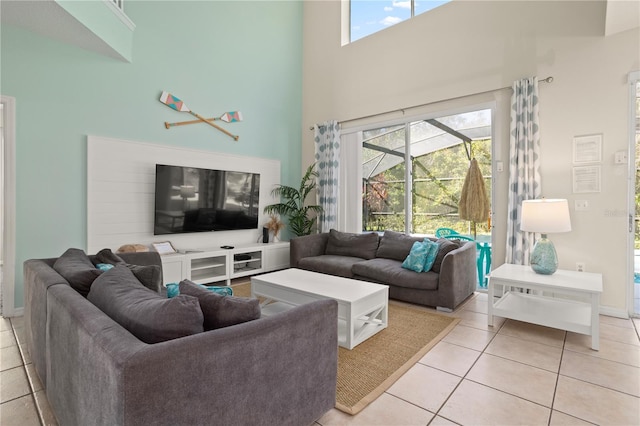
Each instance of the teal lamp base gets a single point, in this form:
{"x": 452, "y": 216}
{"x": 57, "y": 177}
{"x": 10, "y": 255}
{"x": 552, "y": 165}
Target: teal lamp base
{"x": 544, "y": 259}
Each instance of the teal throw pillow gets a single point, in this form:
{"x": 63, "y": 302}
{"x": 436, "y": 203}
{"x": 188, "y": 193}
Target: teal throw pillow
{"x": 173, "y": 289}
{"x": 104, "y": 267}
{"x": 417, "y": 257}
{"x": 221, "y": 290}
{"x": 430, "y": 259}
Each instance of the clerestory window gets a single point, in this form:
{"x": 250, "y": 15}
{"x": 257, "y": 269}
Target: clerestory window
{"x": 370, "y": 16}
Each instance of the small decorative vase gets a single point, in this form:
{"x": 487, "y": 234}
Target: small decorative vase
{"x": 275, "y": 238}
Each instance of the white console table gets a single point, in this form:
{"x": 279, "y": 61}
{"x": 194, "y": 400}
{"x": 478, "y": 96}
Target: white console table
{"x": 209, "y": 265}
{"x": 547, "y": 309}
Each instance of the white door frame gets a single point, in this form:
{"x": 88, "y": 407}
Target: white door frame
{"x": 8, "y": 308}
{"x": 634, "y": 77}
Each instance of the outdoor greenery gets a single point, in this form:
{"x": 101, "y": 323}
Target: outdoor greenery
{"x": 437, "y": 182}
{"x": 301, "y": 218}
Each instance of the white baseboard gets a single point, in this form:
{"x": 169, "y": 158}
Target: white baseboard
{"x": 11, "y": 313}
{"x": 613, "y": 312}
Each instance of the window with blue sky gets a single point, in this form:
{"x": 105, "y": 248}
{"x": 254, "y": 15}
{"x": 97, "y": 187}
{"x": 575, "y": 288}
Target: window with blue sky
{"x": 370, "y": 16}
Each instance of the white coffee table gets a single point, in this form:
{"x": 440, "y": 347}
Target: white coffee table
{"x": 362, "y": 306}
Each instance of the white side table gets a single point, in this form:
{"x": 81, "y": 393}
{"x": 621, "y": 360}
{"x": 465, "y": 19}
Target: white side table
{"x": 536, "y": 308}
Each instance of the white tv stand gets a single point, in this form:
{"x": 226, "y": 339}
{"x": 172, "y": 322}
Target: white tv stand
{"x": 216, "y": 265}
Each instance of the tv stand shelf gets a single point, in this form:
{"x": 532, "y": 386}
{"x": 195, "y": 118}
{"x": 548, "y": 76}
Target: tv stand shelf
{"x": 215, "y": 266}
{"x": 207, "y": 267}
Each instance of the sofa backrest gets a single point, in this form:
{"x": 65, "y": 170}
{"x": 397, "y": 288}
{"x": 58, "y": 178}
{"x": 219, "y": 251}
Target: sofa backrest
{"x": 396, "y": 245}
{"x": 354, "y": 245}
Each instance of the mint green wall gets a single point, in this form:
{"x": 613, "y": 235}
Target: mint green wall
{"x": 216, "y": 56}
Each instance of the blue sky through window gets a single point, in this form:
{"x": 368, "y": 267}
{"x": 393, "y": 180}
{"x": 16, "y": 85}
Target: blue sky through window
{"x": 370, "y": 16}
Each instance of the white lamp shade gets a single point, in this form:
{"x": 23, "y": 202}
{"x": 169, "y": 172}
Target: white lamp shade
{"x": 545, "y": 216}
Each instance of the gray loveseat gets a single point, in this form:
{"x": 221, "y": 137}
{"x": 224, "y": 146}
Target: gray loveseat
{"x": 375, "y": 258}
{"x": 276, "y": 370}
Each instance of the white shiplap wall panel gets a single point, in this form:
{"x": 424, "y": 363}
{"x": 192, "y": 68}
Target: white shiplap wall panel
{"x": 121, "y": 186}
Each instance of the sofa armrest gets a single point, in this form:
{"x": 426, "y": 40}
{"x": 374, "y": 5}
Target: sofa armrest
{"x": 280, "y": 369}
{"x": 457, "y": 279}
{"x": 307, "y": 246}
{"x": 38, "y": 277}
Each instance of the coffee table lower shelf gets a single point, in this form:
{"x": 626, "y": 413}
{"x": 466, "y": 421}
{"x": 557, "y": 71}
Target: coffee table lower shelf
{"x": 362, "y": 328}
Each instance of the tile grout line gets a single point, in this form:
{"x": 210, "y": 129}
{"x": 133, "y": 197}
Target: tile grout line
{"x": 29, "y": 381}
{"x": 454, "y": 389}
{"x": 466, "y": 373}
{"x": 555, "y": 388}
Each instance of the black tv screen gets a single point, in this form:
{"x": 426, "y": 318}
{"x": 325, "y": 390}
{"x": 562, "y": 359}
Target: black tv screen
{"x": 190, "y": 199}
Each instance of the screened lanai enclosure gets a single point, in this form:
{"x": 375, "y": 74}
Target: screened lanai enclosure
{"x": 413, "y": 173}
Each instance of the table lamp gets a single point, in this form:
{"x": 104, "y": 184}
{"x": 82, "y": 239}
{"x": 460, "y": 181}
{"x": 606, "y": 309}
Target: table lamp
{"x": 545, "y": 216}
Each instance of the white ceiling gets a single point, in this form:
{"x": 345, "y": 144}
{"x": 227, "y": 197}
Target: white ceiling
{"x": 622, "y": 15}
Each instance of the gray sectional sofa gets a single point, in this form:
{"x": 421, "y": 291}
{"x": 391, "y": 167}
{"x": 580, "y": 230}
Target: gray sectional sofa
{"x": 266, "y": 371}
{"x": 378, "y": 258}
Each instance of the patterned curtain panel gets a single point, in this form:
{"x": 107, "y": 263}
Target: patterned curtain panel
{"x": 327, "y": 142}
{"x": 524, "y": 165}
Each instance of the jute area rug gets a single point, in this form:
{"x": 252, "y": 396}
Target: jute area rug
{"x": 365, "y": 372}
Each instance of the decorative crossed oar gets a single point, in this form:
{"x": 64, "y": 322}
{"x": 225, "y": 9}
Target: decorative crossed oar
{"x": 177, "y": 104}
{"x": 227, "y": 117}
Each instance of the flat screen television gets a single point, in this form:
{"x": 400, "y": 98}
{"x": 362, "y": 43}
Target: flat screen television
{"x": 190, "y": 199}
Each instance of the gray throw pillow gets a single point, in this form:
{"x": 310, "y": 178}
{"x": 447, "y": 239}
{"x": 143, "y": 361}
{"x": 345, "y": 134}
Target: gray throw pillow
{"x": 75, "y": 266}
{"x": 446, "y": 246}
{"x": 149, "y": 275}
{"x": 146, "y": 314}
{"x": 107, "y": 256}
{"x": 221, "y": 311}
{"x": 396, "y": 245}
{"x": 355, "y": 245}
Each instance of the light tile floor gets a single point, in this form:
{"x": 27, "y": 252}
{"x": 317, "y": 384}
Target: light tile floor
{"x": 512, "y": 373}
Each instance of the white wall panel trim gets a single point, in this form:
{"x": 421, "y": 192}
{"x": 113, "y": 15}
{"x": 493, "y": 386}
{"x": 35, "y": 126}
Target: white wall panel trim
{"x": 121, "y": 185}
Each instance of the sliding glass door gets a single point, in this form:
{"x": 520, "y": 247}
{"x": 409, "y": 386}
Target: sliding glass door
{"x": 412, "y": 173}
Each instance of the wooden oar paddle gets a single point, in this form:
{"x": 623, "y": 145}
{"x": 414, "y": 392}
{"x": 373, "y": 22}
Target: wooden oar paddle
{"x": 227, "y": 117}
{"x": 177, "y": 104}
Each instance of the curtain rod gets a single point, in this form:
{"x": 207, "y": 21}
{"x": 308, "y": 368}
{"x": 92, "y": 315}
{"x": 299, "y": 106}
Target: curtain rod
{"x": 544, "y": 80}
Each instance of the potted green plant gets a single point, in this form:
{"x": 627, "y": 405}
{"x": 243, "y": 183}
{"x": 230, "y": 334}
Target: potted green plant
{"x": 292, "y": 205}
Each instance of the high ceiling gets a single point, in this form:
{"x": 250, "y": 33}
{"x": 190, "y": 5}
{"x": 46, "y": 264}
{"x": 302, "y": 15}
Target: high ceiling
{"x": 48, "y": 18}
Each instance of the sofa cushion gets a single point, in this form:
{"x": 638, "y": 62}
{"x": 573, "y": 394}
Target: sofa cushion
{"x": 354, "y": 245}
{"x": 221, "y": 310}
{"x": 396, "y": 245}
{"x": 446, "y": 246}
{"x": 149, "y": 275}
{"x": 146, "y": 314}
{"x": 75, "y": 266}
{"x": 329, "y": 264}
{"x": 389, "y": 271}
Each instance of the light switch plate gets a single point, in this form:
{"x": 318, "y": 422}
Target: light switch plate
{"x": 581, "y": 205}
